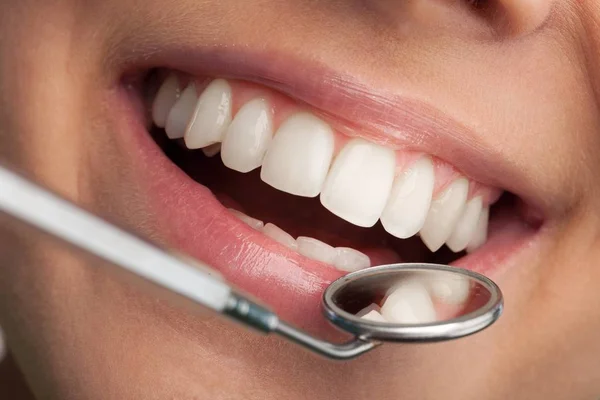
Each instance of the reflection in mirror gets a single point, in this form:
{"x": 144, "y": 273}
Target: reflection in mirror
{"x": 412, "y": 297}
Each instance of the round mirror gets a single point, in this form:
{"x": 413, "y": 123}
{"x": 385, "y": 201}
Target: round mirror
{"x": 412, "y": 302}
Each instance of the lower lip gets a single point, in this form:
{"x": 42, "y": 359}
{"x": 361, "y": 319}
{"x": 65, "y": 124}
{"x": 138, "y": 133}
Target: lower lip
{"x": 191, "y": 219}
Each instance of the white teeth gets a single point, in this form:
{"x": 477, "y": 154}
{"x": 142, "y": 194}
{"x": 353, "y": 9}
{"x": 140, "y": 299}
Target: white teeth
{"x": 409, "y": 303}
{"x": 248, "y": 137}
{"x": 371, "y": 313}
{"x": 360, "y": 187}
{"x": 444, "y": 214}
{"x": 316, "y": 250}
{"x": 181, "y": 113}
{"x": 407, "y": 207}
{"x": 299, "y": 156}
{"x": 165, "y": 99}
{"x": 374, "y": 316}
{"x": 465, "y": 228}
{"x": 350, "y": 260}
{"x": 211, "y": 117}
{"x": 212, "y": 150}
{"x": 368, "y": 309}
{"x": 279, "y": 235}
{"x": 451, "y": 289}
{"x": 359, "y": 182}
{"x": 480, "y": 234}
{"x": 252, "y": 222}
{"x": 343, "y": 258}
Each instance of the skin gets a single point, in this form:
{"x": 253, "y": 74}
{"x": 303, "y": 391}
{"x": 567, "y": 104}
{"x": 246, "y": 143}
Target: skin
{"x": 525, "y": 74}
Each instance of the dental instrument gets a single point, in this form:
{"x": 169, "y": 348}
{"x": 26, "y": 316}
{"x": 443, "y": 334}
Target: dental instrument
{"x": 39, "y": 208}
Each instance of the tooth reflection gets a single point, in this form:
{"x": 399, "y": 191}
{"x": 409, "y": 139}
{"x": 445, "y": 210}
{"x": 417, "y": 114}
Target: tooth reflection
{"x": 374, "y": 316}
{"x": 452, "y": 289}
{"x": 409, "y": 302}
{"x": 371, "y": 313}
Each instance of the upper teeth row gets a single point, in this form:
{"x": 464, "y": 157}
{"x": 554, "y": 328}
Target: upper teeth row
{"x": 360, "y": 184}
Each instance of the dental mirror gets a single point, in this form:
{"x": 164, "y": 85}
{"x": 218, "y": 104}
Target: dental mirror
{"x": 390, "y": 303}
{"x": 412, "y": 302}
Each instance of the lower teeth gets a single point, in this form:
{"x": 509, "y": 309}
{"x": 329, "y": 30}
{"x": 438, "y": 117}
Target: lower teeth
{"x": 343, "y": 258}
{"x": 252, "y": 222}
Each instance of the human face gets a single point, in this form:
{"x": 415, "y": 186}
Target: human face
{"x": 490, "y": 98}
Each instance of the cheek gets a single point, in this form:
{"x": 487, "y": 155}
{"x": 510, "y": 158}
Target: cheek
{"x": 542, "y": 110}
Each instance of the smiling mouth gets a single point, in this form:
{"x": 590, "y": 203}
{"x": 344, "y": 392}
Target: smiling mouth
{"x": 276, "y": 194}
{"x": 332, "y": 197}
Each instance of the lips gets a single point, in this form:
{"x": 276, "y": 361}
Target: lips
{"x": 298, "y": 151}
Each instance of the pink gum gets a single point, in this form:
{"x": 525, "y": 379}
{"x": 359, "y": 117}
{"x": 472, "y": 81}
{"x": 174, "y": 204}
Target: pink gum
{"x": 283, "y": 106}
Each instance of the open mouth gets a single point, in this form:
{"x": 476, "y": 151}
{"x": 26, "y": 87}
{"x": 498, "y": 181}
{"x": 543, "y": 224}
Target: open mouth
{"x": 325, "y": 199}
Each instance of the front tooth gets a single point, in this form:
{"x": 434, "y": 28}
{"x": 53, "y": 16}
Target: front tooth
{"x": 253, "y": 222}
{"x": 165, "y": 99}
{"x": 248, "y": 137}
{"x": 279, "y": 235}
{"x": 181, "y": 112}
{"x": 212, "y": 150}
{"x": 444, "y": 214}
{"x": 211, "y": 117}
{"x": 350, "y": 260}
{"x": 359, "y": 182}
{"x": 409, "y": 303}
{"x": 465, "y": 228}
{"x": 299, "y": 156}
{"x": 407, "y": 207}
{"x": 480, "y": 235}
{"x": 316, "y": 250}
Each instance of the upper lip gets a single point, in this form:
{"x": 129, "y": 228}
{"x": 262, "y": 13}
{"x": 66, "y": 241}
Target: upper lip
{"x": 358, "y": 109}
